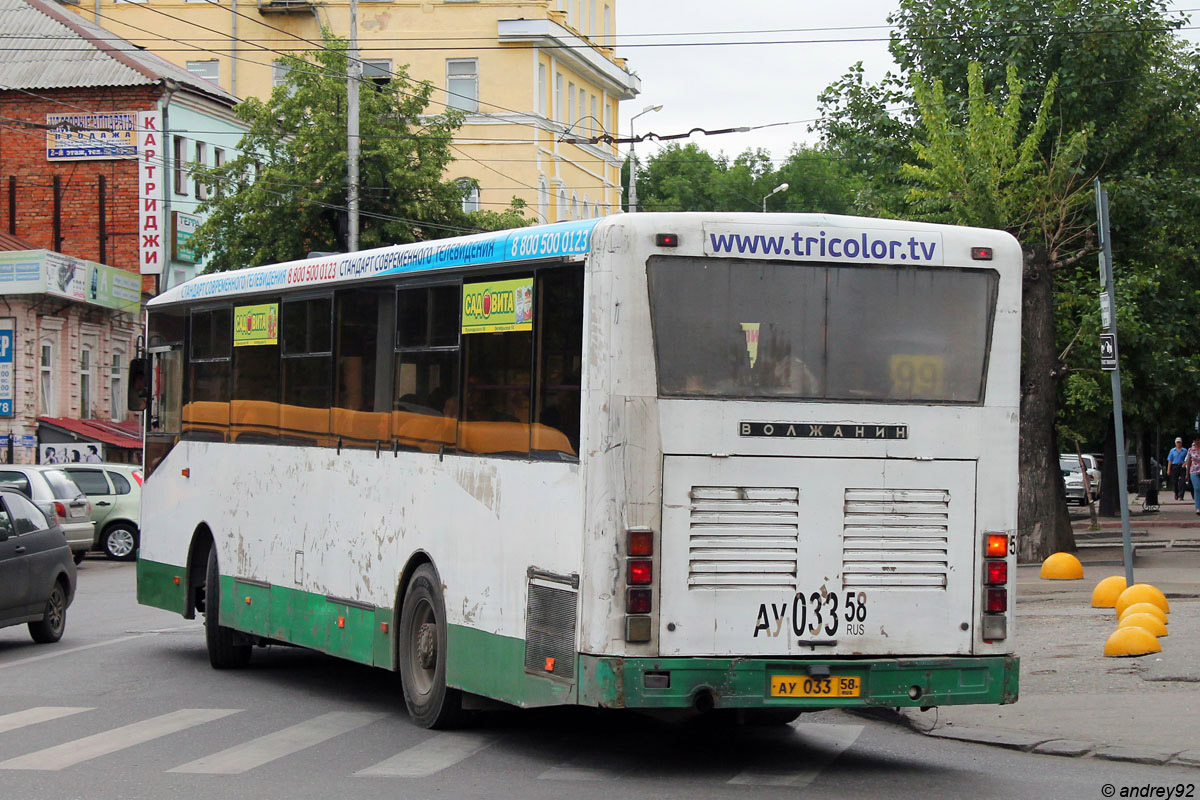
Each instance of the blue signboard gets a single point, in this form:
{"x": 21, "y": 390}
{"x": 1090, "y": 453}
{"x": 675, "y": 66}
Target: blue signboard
{"x": 6, "y": 373}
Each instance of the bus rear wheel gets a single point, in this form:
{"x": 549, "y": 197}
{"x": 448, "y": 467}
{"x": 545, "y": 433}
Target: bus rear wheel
{"x": 225, "y": 651}
{"x": 422, "y": 653}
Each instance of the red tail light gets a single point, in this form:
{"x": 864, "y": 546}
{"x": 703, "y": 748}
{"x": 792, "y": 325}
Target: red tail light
{"x": 997, "y": 545}
{"x": 640, "y": 572}
{"x": 641, "y": 542}
{"x": 997, "y": 601}
{"x": 60, "y": 510}
{"x": 637, "y": 601}
{"x": 997, "y": 573}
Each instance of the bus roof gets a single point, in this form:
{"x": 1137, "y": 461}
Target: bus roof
{"x": 560, "y": 240}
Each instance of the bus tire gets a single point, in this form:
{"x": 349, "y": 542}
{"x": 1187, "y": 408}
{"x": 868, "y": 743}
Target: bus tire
{"x": 224, "y": 649}
{"x": 422, "y": 653}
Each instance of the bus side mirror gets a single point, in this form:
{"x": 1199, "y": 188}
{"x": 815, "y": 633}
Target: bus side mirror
{"x": 139, "y": 378}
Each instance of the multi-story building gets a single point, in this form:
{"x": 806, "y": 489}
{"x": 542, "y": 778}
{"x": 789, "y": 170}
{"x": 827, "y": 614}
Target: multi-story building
{"x": 526, "y": 73}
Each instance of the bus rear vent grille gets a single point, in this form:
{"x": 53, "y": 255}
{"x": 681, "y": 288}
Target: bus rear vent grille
{"x": 895, "y": 538}
{"x": 550, "y": 631}
{"x": 743, "y": 537}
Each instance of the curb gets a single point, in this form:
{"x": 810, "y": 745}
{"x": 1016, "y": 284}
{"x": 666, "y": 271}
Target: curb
{"x": 1040, "y": 744}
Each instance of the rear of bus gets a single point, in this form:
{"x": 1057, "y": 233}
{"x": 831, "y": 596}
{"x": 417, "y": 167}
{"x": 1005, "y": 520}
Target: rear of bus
{"x": 802, "y": 474}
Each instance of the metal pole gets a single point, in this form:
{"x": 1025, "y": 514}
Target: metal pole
{"x": 632, "y": 172}
{"x": 1106, "y": 276}
{"x": 352, "y": 71}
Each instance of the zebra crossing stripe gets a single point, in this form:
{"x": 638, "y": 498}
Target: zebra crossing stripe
{"x": 32, "y": 716}
{"x": 117, "y": 739}
{"x": 429, "y": 757}
{"x": 245, "y": 757}
{"x": 824, "y": 743}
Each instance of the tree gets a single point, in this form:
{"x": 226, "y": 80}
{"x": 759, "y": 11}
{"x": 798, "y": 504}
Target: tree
{"x": 988, "y": 171}
{"x": 1124, "y": 76}
{"x": 285, "y": 194}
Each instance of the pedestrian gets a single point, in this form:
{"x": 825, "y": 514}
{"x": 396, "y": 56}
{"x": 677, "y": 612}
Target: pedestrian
{"x": 1175, "y": 473}
{"x": 1192, "y": 463}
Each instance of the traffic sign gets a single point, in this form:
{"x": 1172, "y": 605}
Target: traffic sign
{"x": 1108, "y": 351}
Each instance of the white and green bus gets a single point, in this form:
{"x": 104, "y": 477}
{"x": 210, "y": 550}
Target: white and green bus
{"x": 764, "y": 463}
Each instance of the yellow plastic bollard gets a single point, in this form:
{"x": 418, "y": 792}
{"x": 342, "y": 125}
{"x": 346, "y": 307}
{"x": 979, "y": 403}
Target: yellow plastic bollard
{"x": 1145, "y": 608}
{"x": 1147, "y": 622}
{"x": 1062, "y": 567}
{"x": 1131, "y": 641}
{"x": 1107, "y": 591}
{"x": 1142, "y": 593}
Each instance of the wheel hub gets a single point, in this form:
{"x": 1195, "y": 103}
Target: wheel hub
{"x": 427, "y": 645}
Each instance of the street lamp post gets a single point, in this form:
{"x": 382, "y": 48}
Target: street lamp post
{"x": 780, "y": 188}
{"x": 633, "y": 159}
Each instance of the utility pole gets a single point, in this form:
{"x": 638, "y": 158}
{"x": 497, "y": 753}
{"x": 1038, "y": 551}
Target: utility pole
{"x": 352, "y": 73}
{"x": 633, "y": 157}
{"x": 1110, "y": 362}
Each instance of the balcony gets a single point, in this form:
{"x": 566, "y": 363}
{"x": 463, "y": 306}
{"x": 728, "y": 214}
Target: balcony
{"x": 285, "y": 6}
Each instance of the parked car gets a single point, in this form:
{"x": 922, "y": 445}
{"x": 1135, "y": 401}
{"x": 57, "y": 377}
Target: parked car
{"x": 115, "y": 491}
{"x": 37, "y": 571}
{"x": 1073, "y": 479}
{"x": 50, "y": 487}
{"x": 1091, "y": 463}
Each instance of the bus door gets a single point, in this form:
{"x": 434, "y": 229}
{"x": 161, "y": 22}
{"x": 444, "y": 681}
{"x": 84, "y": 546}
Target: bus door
{"x": 817, "y": 556}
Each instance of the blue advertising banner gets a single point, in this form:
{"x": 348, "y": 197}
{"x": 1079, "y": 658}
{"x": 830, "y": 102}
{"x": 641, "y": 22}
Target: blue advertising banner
{"x": 6, "y": 368}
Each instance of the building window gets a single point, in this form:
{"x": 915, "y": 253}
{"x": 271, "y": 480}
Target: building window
{"x": 561, "y": 211}
{"x": 218, "y": 162}
{"x": 179, "y": 170}
{"x": 591, "y": 31}
{"x": 608, "y": 126}
{"x": 594, "y": 122}
{"x": 279, "y": 72}
{"x": 116, "y": 386}
{"x": 470, "y": 195}
{"x": 201, "y": 161}
{"x": 574, "y": 206}
{"x": 570, "y": 103}
{"x": 462, "y": 84}
{"x": 48, "y": 403}
{"x": 582, "y": 109}
{"x": 608, "y": 25}
{"x": 558, "y": 90}
{"x": 377, "y": 70}
{"x": 209, "y": 70}
{"x": 541, "y": 89}
{"x": 87, "y": 381}
{"x": 543, "y": 199}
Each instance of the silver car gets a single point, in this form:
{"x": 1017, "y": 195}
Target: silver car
{"x": 1073, "y": 480}
{"x": 51, "y": 488}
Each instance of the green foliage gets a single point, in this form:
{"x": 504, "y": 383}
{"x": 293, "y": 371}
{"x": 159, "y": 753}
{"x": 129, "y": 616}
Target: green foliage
{"x": 687, "y": 178}
{"x": 285, "y": 194}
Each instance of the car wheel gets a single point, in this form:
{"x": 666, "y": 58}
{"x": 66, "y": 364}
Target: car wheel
{"x": 120, "y": 542}
{"x": 431, "y": 703}
{"x": 225, "y": 650}
{"x": 50, "y": 627}
{"x": 78, "y": 556}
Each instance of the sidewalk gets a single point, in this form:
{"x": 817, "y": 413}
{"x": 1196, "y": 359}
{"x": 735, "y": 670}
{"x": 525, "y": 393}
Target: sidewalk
{"x": 1073, "y": 700}
{"x": 1171, "y": 513}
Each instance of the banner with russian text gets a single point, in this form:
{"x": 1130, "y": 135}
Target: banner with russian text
{"x": 151, "y": 180}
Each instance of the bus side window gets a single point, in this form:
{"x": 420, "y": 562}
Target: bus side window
{"x": 559, "y": 361}
{"x": 206, "y": 414}
{"x": 497, "y": 379}
{"x": 254, "y": 407}
{"x": 307, "y": 369}
{"x": 425, "y": 410}
{"x": 362, "y": 391}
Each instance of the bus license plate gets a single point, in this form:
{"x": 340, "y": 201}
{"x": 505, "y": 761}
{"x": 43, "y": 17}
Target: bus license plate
{"x": 804, "y": 686}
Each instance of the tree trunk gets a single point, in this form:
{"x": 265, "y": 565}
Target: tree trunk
{"x": 1044, "y": 527}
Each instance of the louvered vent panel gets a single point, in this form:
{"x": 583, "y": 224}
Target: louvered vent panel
{"x": 550, "y": 630}
{"x": 895, "y": 538}
{"x": 743, "y": 537}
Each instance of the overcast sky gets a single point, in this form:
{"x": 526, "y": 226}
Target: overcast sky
{"x": 743, "y": 85}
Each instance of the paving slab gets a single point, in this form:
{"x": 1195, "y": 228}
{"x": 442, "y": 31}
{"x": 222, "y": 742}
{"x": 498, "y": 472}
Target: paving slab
{"x": 1138, "y": 755}
{"x": 1190, "y": 758}
{"x": 1010, "y": 739}
{"x": 1065, "y": 747}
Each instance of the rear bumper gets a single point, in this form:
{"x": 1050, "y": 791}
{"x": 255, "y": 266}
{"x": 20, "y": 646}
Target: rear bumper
{"x": 80, "y": 535}
{"x": 614, "y": 682}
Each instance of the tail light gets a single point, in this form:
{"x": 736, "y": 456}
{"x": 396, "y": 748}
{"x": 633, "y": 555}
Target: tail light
{"x": 994, "y": 625}
{"x": 639, "y": 580}
{"x": 997, "y": 601}
{"x": 60, "y": 510}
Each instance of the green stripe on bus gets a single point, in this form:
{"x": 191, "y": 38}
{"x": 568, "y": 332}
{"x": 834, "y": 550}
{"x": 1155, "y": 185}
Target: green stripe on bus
{"x": 492, "y": 665}
{"x": 156, "y": 586}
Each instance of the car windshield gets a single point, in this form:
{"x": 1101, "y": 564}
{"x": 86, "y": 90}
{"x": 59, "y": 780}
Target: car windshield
{"x": 61, "y": 484}
{"x": 1068, "y": 465}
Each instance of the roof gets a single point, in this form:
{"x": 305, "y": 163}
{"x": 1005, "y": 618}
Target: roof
{"x": 10, "y": 242}
{"x": 117, "y": 434}
{"x": 54, "y": 48}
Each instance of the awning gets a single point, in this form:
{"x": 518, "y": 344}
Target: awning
{"x": 114, "y": 434}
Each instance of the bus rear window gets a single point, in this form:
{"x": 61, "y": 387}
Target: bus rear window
{"x": 778, "y": 330}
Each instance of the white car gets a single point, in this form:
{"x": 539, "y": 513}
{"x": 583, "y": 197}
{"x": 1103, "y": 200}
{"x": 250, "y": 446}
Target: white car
{"x": 1090, "y": 464}
{"x": 55, "y": 491}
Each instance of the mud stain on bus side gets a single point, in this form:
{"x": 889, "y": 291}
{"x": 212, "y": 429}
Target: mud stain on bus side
{"x": 482, "y": 482}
